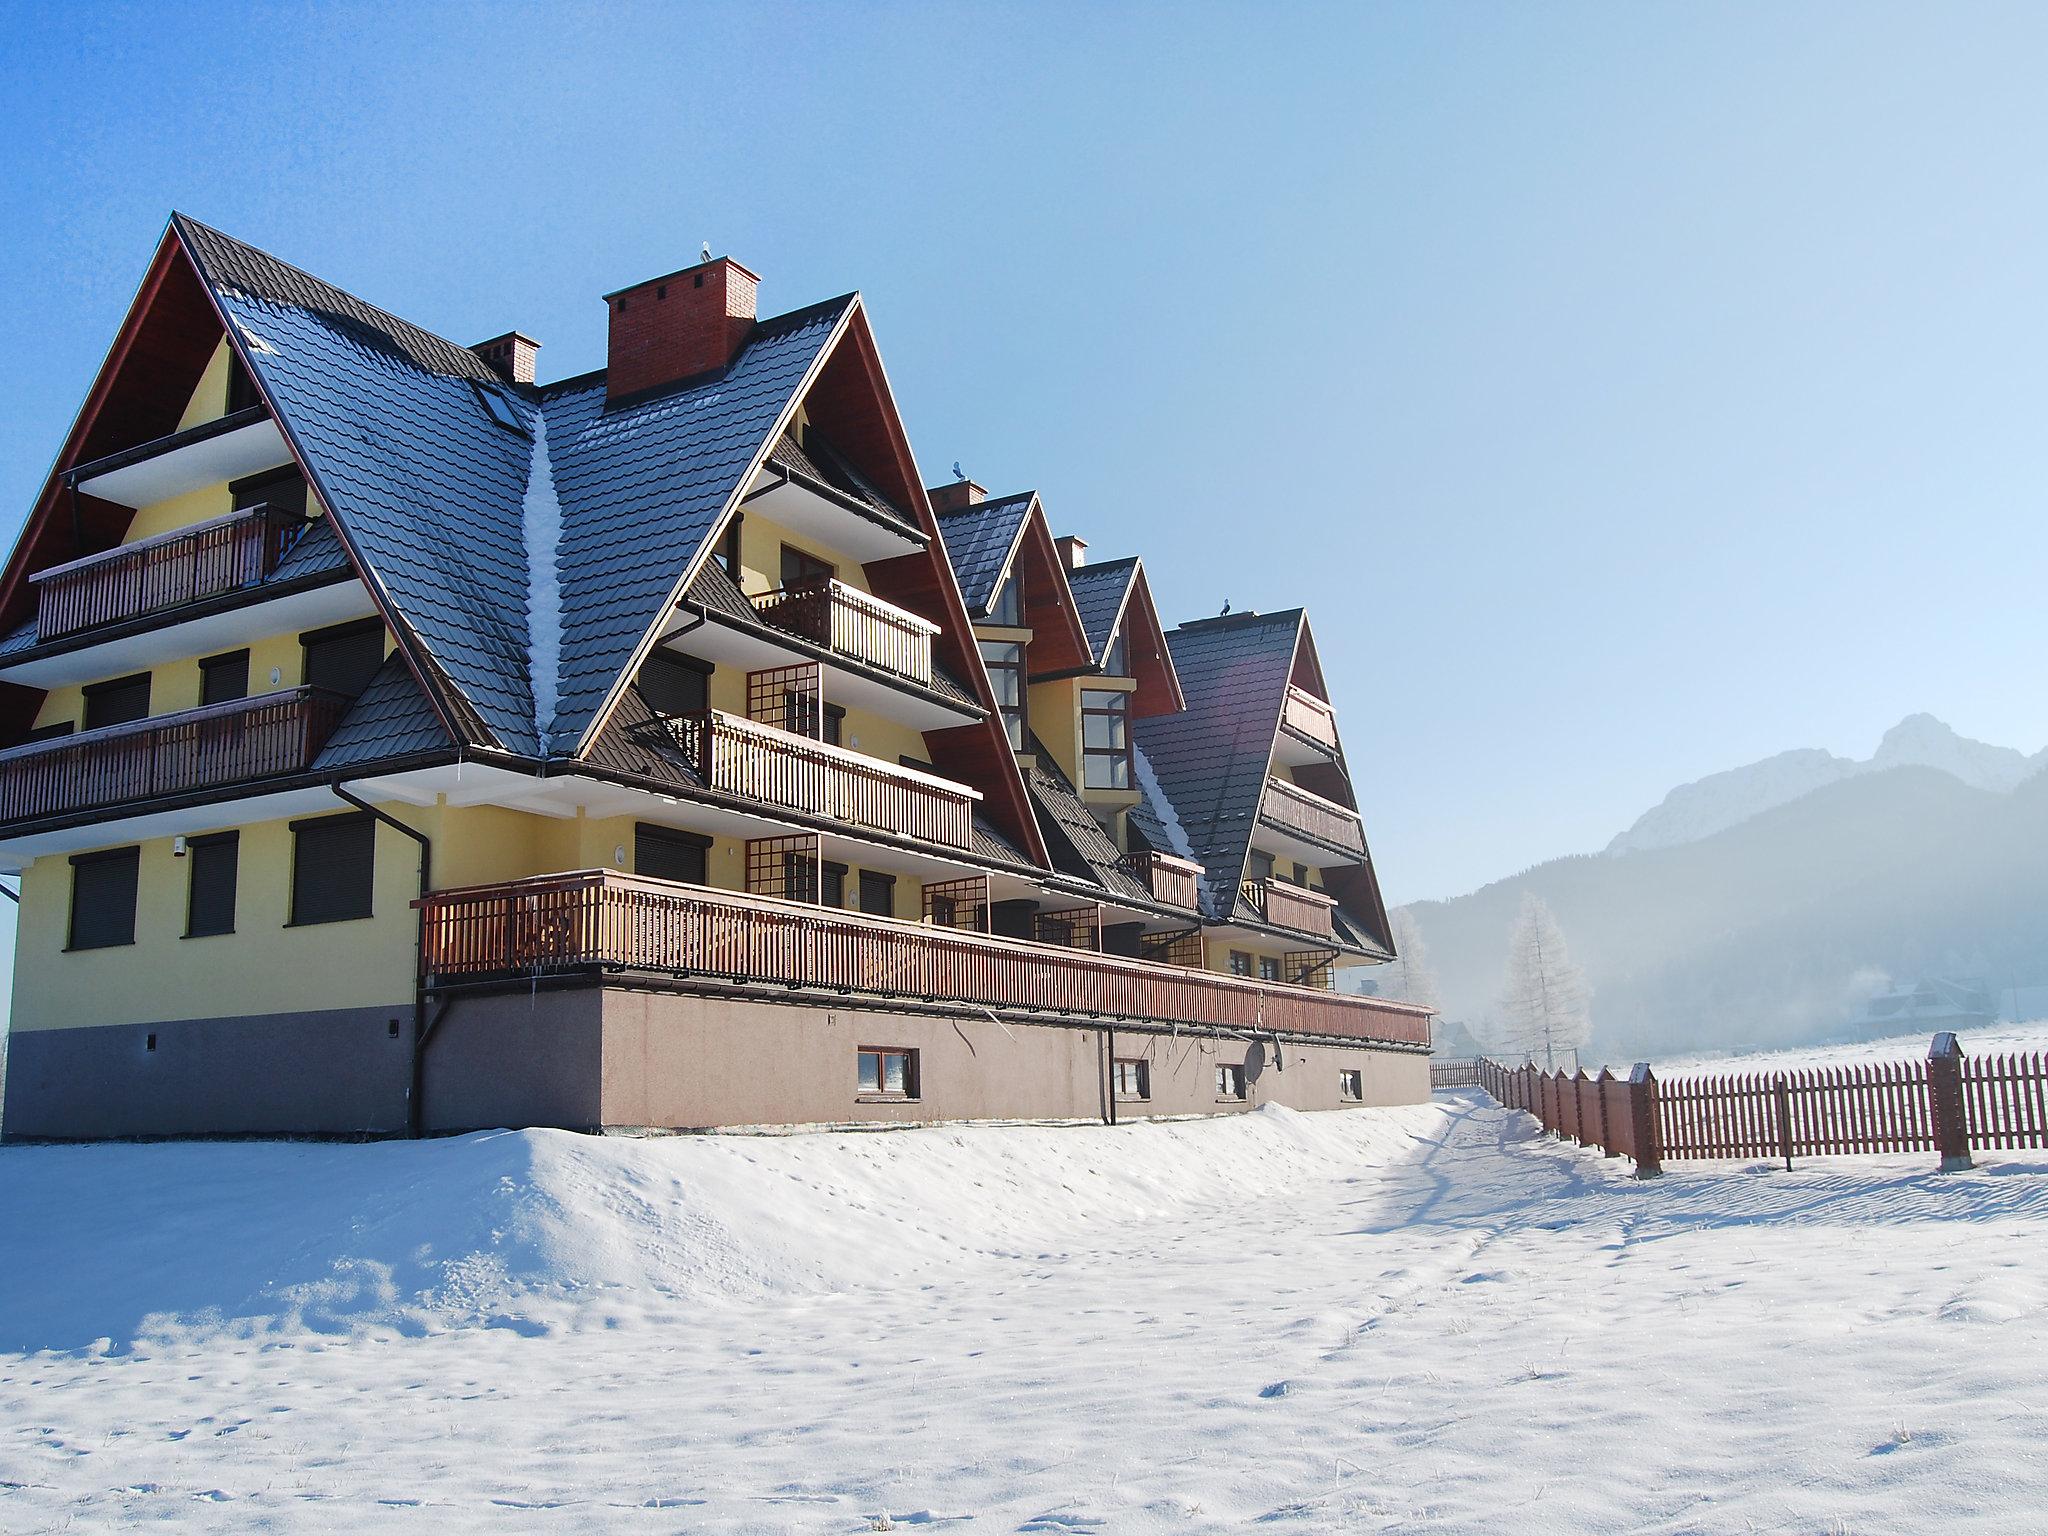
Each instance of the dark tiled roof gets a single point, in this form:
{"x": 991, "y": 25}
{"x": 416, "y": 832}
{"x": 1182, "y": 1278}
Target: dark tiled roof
{"x": 978, "y": 542}
{"x": 317, "y": 551}
{"x": 1099, "y": 593}
{"x": 1073, "y": 836}
{"x": 991, "y": 844}
{"x": 830, "y": 468}
{"x": 391, "y": 719}
{"x": 20, "y": 640}
{"x": 1210, "y": 759}
{"x": 636, "y": 741}
{"x": 1354, "y": 933}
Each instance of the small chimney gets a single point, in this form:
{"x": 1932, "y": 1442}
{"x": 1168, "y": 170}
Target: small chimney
{"x": 951, "y": 498}
{"x": 672, "y": 328}
{"x": 1072, "y": 550}
{"x": 511, "y": 354}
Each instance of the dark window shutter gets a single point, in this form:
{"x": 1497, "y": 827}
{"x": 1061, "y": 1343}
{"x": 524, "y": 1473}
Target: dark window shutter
{"x": 210, "y": 907}
{"x": 333, "y": 868}
{"x": 668, "y": 855}
{"x": 118, "y": 702}
{"x": 877, "y": 893}
{"x": 282, "y": 488}
{"x": 103, "y": 898}
{"x": 222, "y": 678}
{"x": 671, "y": 687}
{"x": 834, "y": 894}
{"x": 345, "y": 661}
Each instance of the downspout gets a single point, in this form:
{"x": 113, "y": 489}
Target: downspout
{"x": 417, "y": 1081}
{"x": 1110, "y": 1032}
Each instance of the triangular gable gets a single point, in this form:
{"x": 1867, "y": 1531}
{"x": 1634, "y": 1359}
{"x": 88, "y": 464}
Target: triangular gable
{"x": 1114, "y": 597}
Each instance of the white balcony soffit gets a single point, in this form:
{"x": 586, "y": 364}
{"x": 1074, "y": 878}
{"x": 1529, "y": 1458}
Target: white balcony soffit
{"x": 838, "y": 527}
{"x": 245, "y": 451}
{"x": 727, "y": 644}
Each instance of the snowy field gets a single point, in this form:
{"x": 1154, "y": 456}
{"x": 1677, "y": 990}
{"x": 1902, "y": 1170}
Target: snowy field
{"x": 1999, "y": 1039}
{"x": 1416, "y": 1320}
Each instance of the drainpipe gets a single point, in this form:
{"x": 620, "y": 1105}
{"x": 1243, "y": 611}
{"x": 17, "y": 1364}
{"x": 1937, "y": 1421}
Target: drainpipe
{"x": 1110, "y": 1033}
{"x": 419, "y": 979}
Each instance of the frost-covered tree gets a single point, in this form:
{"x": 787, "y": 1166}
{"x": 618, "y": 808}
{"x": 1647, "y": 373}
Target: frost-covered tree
{"x": 1409, "y": 977}
{"x": 1545, "y": 1012}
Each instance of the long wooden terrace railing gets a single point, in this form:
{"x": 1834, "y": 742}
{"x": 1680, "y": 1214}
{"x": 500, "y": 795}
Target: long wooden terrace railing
{"x": 1309, "y": 717}
{"x": 1293, "y": 907}
{"x": 217, "y": 745}
{"x": 853, "y": 624}
{"x": 1294, "y": 809}
{"x": 603, "y": 921}
{"x": 1175, "y": 881}
{"x": 185, "y": 565}
{"x": 742, "y": 757}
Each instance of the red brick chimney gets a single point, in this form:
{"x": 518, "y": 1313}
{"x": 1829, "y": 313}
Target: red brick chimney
{"x": 511, "y": 354}
{"x": 676, "y": 327}
{"x": 951, "y": 498}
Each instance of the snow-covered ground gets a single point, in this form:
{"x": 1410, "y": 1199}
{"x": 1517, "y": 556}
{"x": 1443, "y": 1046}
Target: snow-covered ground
{"x": 1998, "y": 1040}
{"x": 1424, "y": 1320}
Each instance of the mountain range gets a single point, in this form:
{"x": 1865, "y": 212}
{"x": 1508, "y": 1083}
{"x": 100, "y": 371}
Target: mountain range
{"x": 1759, "y": 906}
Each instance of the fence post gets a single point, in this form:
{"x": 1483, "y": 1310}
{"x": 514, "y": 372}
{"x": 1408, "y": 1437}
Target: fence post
{"x": 1945, "y": 1103}
{"x": 1606, "y": 1125}
{"x": 1784, "y": 1103}
{"x": 1642, "y": 1112}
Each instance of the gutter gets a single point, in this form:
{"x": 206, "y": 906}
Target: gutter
{"x": 421, "y": 1029}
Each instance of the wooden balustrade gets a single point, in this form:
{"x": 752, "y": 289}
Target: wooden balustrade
{"x": 207, "y": 748}
{"x": 742, "y": 757}
{"x": 1174, "y": 881}
{"x": 853, "y": 624}
{"x": 182, "y": 566}
{"x": 601, "y": 920}
{"x": 1306, "y": 715}
{"x": 1292, "y": 907}
{"x": 1294, "y": 809}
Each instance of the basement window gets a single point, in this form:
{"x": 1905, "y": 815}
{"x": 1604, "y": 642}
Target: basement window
{"x": 1133, "y": 1080}
{"x": 1229, "y": 1080}
{"x": 887, "y": 1073}
{"x": 1351, "y": 1085}
{"x": 498, "y": 408}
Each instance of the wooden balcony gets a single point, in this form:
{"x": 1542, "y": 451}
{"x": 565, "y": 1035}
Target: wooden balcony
{"x": 168, "y": 571}
{"x": 1310, "y": 718}
{"x": 757, "y": 762}
{"x": 1291, "y": 809}
{"x": 1176, "y": 882}
{"x": 215, "y": 747}
{"x": 1293, "y": 907}
{"x": 601, "y": 920}
{"x": 853, "y": 624}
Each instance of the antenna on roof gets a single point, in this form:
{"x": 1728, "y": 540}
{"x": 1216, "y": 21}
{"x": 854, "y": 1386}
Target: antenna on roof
{"x": 707, "y": 250}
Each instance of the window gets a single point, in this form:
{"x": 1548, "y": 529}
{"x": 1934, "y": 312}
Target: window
{"x": 1105, "y": 739}
{"x": 284, "y": 489}
{"x": 344, "y": 659}
{"x": 498, "y": 407}
{"x": 1133, "y": 1079}
{"x": 222, "y": 678}
{"x": 835, "y": 725}
{"x": 1269, "y": 968}
{"x": 1351, "y": 1085}
{"x": 1007, "y": 606}
{"x": 210, "y": 899}
{"x": 729, "y": 547}
{"x": 1229, "y": 1080}
{"x": 888, "y": 1073}
{"x": 1258, "y": 865}
{"x": 1301, "y": 876}
{"x": 241, "y": 388}
{"x": 333, "y": 868}
{"x": 833, "y": 892}
{"x": 117, "y": 702}
{"x": 662, "y": 853}
{"x": 877, "y": 893}
{"x": 799, "y": 876}
{"x": 1240, "y": 963}
{"x": 672, "y": 686}
{"x": 1116, "y": 661}
{"x": 1005, "y": 662}
{"x": 800, "y": 569}
{"x": 103, "y": 898}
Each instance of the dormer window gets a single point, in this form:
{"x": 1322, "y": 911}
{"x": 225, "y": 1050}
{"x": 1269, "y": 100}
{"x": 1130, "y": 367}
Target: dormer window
{"x": 1007, "y": 606}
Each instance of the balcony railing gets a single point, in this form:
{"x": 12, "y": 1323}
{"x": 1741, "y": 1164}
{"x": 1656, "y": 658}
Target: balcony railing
{"x": 758, "y": 762}
{"x": 600, "y": 920}
{"x": 212, "y": 747}
{"x": 183, "y": 566}
{"x": 1292, "y": 907}
{"x": 1174, "y": 881}
{"x": 853, "y": 624}
{"x": 1293, "y": 809}
{"x": 1306, "y": 715}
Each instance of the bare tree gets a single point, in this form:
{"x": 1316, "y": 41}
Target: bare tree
{"x": 1545, "y": 1010}
{"x": 1408, "y": 977}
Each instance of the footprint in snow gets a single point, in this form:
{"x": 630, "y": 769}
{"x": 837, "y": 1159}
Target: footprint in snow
{"x": 1277, "y": 1389}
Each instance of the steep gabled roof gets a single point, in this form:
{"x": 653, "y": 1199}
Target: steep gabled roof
{"x": 1114, "y": 597}
{"x": 981, "y": 540}
{"x": 1099, "y": 594}
{"x": 1009, "y": 538}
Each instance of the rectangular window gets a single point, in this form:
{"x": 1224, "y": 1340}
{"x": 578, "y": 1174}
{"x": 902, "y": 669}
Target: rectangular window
{"x": 210, "y": 900}
{"x": 663, "y": 853}
{"x": 1133, "y": 1079}
{"x": 1351, "y": 1085}
{"x": 333, "y": 869}
{"x": 284, "y": 489}
{"x": 344, "y": 659}
{"x": 1258, "y": 865}
{"x": 887, "y": 1073}
{"x": 222, "y": 678}
{"x": 801, "y": 570}
{"x": 1116, "y": 660}
{"x": 117, "y": 702}
{"x": 799, "y": 877}
{"x": 834, "y": 890}
{"x": 729, "y": 548}
{"x": 103, "y": 898}
{"x": 1005, "y": 662}
{"x": 1229, "y": 1080}
{"x": 877, "y": 893}
{"x": 1269, "y": 968}
{"x": 1105, "y": 739}
{"x": 835, "y": 725}
{"x": 241, "y": 388}
{"x": 1301, "y": 876}
{"x": 1240, "y": 963}
{"x": 1007, "y": 606}
{"x": 672, "y": 686}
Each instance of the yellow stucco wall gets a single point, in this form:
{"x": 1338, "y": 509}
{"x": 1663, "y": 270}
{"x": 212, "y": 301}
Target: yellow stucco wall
{"x": 210, "y": 399}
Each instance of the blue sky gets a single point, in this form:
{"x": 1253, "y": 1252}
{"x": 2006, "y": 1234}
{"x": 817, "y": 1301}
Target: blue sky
{"x": 1628, "y": 391}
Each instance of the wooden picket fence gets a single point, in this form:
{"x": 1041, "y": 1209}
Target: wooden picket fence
{"x": 1949, "y": 1104}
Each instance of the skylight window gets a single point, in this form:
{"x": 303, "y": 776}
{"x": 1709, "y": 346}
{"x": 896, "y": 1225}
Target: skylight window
{"x": 498, "y": 408}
